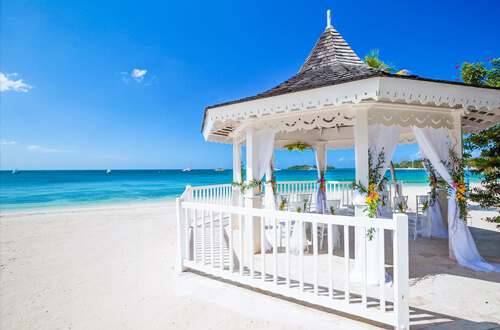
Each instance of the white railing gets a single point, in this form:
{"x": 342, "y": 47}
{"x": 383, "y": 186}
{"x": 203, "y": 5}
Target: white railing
{"x": 209, "y": 243}
{"x": 334, "y": 190}
{"x": 218, "y": 194}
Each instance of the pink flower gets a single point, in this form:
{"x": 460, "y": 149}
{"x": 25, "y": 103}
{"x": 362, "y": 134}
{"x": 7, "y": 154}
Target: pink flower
{"x": 457, "y": 67}
{"x": 489, "y": 58}
{"x": 455, "y": 184}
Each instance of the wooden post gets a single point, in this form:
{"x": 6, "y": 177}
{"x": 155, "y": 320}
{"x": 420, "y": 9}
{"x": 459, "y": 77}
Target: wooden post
{"x": 252, "y": 196}
{"x": 455, "y": 144}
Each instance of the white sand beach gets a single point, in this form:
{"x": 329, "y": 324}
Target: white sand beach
{"x": 114, "y": 268}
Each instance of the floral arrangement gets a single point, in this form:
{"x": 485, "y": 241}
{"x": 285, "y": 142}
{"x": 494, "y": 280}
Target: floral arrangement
{"x": 332, "y": 210}
{"x": 383, "y": 200}
{"x": 299, "y": 210}
{"x": 372, "y": 196}
{"x": 434, "y": 180}
{"x": 401, "y": 207}
{"x": 322, "y": 181}
{"x": 456, "y": 167}
{"x": 283, "y": 203}
{"x": 298, "y": 146}
{"x": 425, "y": 206}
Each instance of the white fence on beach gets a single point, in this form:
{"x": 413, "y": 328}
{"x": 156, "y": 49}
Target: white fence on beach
{"x": 212, "y": 240}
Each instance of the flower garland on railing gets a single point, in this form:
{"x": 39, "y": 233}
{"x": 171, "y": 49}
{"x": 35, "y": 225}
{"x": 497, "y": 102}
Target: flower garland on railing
{"x": 298, "y": 146}
{"x": 456, "y": 167}
{"x": 372, "y": 196}
{"x": 252, "y": 184}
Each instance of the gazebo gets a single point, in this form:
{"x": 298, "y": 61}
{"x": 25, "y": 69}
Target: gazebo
{"x": 335, "y": 101}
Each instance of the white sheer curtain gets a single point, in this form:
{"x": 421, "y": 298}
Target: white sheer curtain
{"x": 380, "y": 138}
{"x": 265, "y": 143}
{"x": 461, "y": 239}
{"x": 321, "y": 166}
{"x": 438, "y": 228}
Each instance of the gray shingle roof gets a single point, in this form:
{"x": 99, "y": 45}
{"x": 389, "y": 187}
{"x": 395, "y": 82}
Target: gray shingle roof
{"x": 331, "y": 62}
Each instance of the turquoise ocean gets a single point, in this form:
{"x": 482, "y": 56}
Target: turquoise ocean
{"x": 43, "y": 190}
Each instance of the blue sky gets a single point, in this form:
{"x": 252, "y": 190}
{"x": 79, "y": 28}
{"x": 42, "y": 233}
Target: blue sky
{"x": 105, "y": 84}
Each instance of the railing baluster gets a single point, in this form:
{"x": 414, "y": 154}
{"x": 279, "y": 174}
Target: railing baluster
{"x": 330, "y": 261}
{"x": 203, "y": 238}
{"x": 346, "y": 264}
{"x": 252, "y": 249}
{"x": 187, "y": 233}
{"x": 242, "y": 245}
{"x": 381, "y": 253}
{"x": 275, "y": 251}
{"x": 364, "y": 268}
{"x": 301, "y": 255}
{"x": 287, "y": 253}
{"x": 195, "y": 237}
{"x": 231, "y": 248}
{"x": 315, "y": 251}
{"x": 263, "y": 248}
{"x": 212, "y": 238}
{"x": 221, "y": 233}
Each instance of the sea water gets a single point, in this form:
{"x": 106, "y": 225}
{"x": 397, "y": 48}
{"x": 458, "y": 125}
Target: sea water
{"x": 42, "y": 190}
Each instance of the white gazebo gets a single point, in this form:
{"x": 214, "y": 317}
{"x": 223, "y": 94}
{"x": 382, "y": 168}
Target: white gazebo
{"x": 335, "y": 101}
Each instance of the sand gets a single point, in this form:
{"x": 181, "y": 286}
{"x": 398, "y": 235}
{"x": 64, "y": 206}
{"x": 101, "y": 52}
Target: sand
{"x": 114, "y": 267}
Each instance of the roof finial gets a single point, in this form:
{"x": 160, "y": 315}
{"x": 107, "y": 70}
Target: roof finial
{"x": 328, "y": 19}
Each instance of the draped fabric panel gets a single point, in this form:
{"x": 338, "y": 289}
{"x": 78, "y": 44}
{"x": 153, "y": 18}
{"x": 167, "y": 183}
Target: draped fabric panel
{"x": 321, "y": 166}
{"x": 438, "y": 227}
{"x": 431, "y": 141}
{"x": 383, "y": 138}
{"x": 265, "y": 144}
{"x": 380, "y": 138}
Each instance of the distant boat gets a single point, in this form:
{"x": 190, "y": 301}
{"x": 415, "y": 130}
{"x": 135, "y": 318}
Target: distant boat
{"x": 16, "y": 171}
{"x": 188, "y": 169}
{"x": 220, "y": 170}
{"x": 108, "y": 171}
{"x": 276, "y": 167}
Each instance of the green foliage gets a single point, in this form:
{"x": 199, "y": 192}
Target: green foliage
{"x": 456, "y": 167}
{"x": 481, "y": 74}
{"x": 298, "y": 146}
{"x": 409, "y": 164}
{"x": 373, "y": 61}
{"x": 487, "y": 165}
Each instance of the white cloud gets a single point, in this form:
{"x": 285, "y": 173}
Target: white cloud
{"x": 7, "y": 142}
{"x": 7, "y": 84}
{"x": 415, "y": 155}
{"x": 46, "y": 150}
{"x": 136, "y": 74}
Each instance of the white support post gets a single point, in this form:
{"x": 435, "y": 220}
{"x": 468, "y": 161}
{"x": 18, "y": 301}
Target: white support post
{"x": 401, "y": 273}
{"x": 237, "y": 177}
{"x": 455, "y": 144}
{"x": 361, "y": 152}
{"x": 252, "y": 196}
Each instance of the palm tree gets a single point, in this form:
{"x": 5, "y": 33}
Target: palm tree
{"x": 373, "y": 61}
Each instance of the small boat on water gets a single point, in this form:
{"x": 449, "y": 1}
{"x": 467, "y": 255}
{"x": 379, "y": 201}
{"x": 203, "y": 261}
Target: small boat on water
{"x": 16, "y": 171}
{"x": 189, "y": 169}
{"x": 276, "y": 167}
{"x": 220, "y": 170}
{"x": 108, "y": 171}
